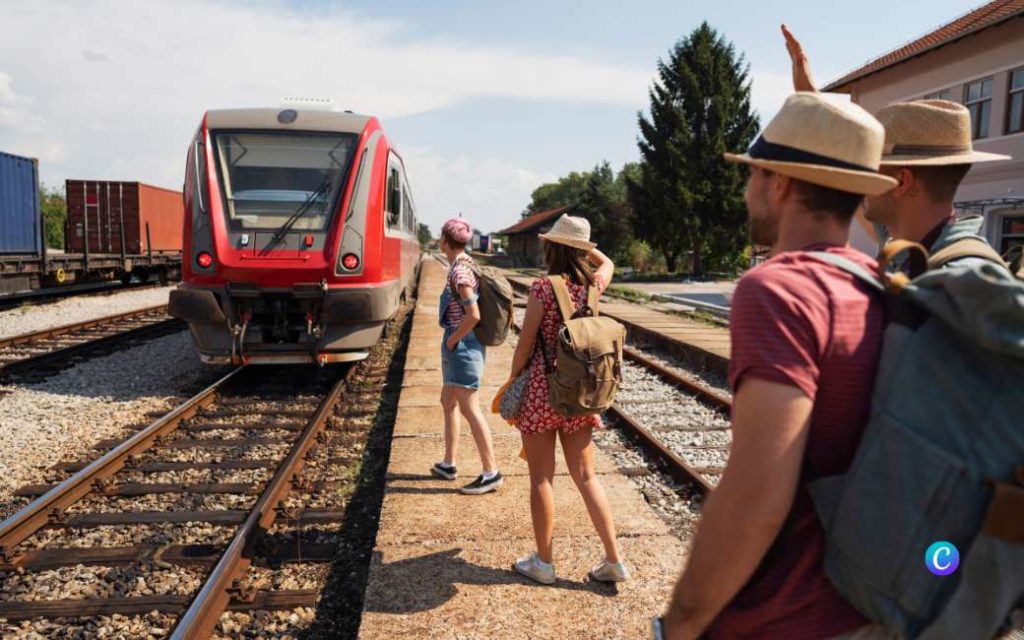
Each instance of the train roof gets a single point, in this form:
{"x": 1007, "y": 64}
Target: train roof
{"x": 305, "y": 119}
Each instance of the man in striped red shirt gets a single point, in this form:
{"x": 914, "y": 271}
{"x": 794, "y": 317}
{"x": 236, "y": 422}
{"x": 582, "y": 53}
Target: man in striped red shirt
{"x": 806, "y": 338}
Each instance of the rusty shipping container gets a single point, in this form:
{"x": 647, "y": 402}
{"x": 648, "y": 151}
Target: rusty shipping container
{"x": 123, "y": 217}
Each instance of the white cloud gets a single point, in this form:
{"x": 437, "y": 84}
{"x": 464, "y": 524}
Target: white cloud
{"x": 111, "y": 89}
{"x": 121, "y": 87}
{"x": 16, "y": 111}
{"x": 768, "y": 93}
{"x": 480, "y": 189}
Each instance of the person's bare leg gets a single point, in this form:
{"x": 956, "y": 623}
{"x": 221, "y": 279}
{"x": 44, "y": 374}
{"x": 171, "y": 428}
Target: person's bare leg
{"x": 452, "y": 424}
{"x": 469, "y": 404}
{"x": 540, "y": 457}
{"x": 579, "y": 457}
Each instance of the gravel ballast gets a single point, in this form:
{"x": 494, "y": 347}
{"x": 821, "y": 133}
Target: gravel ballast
{"x": 62, "y": 417}
{"x": 26, "y": 319}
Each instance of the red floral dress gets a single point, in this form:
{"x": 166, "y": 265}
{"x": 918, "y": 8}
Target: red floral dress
{"x": 535, "y": 413}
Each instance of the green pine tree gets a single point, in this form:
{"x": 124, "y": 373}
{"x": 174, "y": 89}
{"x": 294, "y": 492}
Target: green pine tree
{"x": 687, "y": 198}
{"x": 602, "y": 202}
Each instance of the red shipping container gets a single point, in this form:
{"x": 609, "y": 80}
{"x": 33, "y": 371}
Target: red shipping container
{"x": 130, "y": 216}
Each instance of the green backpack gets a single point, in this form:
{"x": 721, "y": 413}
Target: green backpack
{"x": 496, "y": 305}
{"x": 941, "y": 459}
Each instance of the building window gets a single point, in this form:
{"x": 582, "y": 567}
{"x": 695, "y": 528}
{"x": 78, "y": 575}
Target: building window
{"x": 1015, "y": 104}
{"x": 945, "y": 94}
{"x": 978, "y": 100}
{"x": 1012, "y": 233}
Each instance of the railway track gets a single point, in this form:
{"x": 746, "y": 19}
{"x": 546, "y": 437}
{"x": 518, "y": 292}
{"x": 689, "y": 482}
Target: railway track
{"x": 237, "y": 449}
{"x": 51, "y": 294}
{"x": 684, "y": 427}
{"x": 42, "y": 353}
{"x": 227, "y": 516}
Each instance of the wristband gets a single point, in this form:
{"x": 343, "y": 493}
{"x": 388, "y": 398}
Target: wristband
{"x": 656, "y": 631}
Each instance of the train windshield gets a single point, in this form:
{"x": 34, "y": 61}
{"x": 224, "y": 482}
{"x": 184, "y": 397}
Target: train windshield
{"x": 282, "y": 180}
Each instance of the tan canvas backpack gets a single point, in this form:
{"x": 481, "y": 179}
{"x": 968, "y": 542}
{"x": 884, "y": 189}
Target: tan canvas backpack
{"x": 587, "y": 371}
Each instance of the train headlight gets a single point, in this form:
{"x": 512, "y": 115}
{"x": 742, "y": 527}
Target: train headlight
{"x": 350, "y": 261}
{"x": 204, "y": 260}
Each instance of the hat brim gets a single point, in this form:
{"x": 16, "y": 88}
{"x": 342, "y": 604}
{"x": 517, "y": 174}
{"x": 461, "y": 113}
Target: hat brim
{"x": 941, "y": 161}
{"x": 572, "y": 242}
{"x": 850, "y": 180}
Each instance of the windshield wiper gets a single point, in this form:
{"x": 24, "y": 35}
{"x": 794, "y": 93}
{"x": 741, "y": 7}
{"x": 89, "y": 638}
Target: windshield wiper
{"x": 322, "y": 190}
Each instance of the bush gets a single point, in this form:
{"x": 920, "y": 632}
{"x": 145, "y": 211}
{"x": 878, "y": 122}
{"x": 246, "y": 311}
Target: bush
{"x": 639, "y": 255}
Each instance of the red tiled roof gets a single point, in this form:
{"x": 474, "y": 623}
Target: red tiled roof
{"x": 985, "y": 16}
{"x": 534, "y": 221}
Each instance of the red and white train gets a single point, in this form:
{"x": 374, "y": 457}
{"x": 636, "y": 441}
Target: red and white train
{"x": 299, "y": 236}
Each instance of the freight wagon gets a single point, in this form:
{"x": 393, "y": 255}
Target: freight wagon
{"x": 123, "y": 217}
{"x": 132, "y": 229}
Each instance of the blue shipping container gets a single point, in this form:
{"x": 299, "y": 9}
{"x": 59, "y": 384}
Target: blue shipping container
{"x": 20, "y": 223}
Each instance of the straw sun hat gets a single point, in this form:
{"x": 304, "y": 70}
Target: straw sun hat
{"x": 836, "y": 145}
{"x": 929, "y": 133}
{"x": 572, "y": 231}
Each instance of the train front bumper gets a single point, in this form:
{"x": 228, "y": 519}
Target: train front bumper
{"x": 347, "y": 322}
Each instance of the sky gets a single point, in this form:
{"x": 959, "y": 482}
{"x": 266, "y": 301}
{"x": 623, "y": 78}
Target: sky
{"x": 484, "y": 100}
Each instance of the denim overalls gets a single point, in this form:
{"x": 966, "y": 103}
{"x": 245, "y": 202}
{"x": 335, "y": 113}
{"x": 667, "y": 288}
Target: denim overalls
{"x": 464, "y": 365}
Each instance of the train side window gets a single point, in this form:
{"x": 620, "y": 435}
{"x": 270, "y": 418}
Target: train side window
{"x": 407, "y": 211}
{"x": 394, "y": 198}
{"x": 190, "y": 167}
{"x": 200, "y": 173}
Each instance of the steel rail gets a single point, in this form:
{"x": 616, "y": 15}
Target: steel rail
{"x": 677, "y": 468}
{"x": 61, "y": 355}
{"x": 224, "y": 580}
{"x": 38, "y": 513}
{"x": 707, "y": 394}
{"x": 35, "y": 336}
{"x": 54, "y": 294}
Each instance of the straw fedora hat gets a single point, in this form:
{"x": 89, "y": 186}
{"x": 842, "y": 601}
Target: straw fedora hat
{"x": 836, "y": 145}
{"x": 570, "y": 230}
{"x": 929, "y": 133}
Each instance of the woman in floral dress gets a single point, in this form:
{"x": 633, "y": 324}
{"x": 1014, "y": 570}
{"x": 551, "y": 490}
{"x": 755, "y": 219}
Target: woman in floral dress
{"x": 570, "y": 254}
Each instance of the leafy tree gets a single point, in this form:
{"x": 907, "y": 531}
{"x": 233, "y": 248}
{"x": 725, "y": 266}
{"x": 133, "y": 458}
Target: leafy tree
{"x": 687, "y": 197}
{"x": 602, "y": 202}
{"x": 564, "y": 193}
{"x": 599, "y": 196}
{"x": 423, "y": 234}
{"x": 55, "y": 215}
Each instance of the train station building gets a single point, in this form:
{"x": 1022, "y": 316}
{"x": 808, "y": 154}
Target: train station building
{"x": 521, "y": 241}
{"x": 978, "y": 61}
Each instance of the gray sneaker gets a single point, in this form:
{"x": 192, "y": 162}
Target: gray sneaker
{"x": 480, "y": 486}
{"x": 609, "y": 572}
{"x": 444, "y": 471}
{"x": 533, "y": 568}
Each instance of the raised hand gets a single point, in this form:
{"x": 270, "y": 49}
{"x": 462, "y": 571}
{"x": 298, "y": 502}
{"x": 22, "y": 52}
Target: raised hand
{"x": 802, "y": 79}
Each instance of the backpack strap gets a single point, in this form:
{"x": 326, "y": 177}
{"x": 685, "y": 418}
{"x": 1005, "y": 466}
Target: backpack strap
{"x": 850, "y": 267}
{"x": 592, "y": 299}
{"x": 565, "y": 304}
{"x": 969, "y": 247}
{"x": 1014, "y": 259}
{"x": 455, "y": 293}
